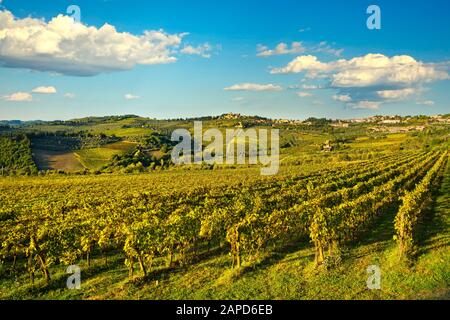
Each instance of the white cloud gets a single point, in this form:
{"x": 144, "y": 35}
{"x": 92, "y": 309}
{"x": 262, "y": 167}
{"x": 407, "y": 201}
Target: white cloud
{"x": 369, "y": 80}
{"x": 377, "y": 69}
{"x": 303, "y": 63}
{"x": 324, "y": 47}
{"x": 369, "y": 70}
{"x": 69, "y": 95}
{"x": 237, "y": 99}
{"x": 254, "y": 87}
{"x": 372, "y": 105}
{"x": 130, "y": 96}
{"x": 304, "y": 94}
{"x": 426, "y": 102}
{"x": 310, "y": 87}
{"x": 19, "y": 97}
{"x": 280, "y": 49}
{"x": 342, "y": 97}
{"x": 297, "y": 47}
{"x": 304, "y": 87}
{"x": 399, "y": 94}
{"x": 201, "y": 50}
{"x": 67, "y": 47}
{"x": 44, "y": 90}
{"x": 304, "y": 30}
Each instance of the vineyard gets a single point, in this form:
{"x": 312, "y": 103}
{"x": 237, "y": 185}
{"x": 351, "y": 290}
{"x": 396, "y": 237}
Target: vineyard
{"x": 175, "y": 221}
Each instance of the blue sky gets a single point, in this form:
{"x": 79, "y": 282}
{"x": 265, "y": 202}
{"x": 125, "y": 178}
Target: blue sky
{"x": 223, "y": 56}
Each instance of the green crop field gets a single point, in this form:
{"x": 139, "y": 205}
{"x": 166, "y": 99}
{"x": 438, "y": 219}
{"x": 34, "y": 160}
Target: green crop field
{"x": 98, "y": 157}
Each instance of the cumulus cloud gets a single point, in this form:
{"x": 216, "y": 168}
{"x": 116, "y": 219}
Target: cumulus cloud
{"x": 64, "y": 46}
{"x": 305, "y": 87}
{"x": 69, "y": 95}
{"x": 369, "y": 70}
{"x": 370, "y": 80}
{"x": 44, "y": 90}
{"x": 237, "y": 99}
{"x": 254, "y": 87}
{"x": 426, "y": 102}
{"x": 130, "y": 96}
{"x": 281, "y": 49}
{"x": 377, "y": 69}
{"x": 324, "y": 47}
{"x": 19, "y": 97}
{"x": 310, "y": 87}
{"x": 304, "y": 94}
{"x": 306, "y": 63}
{"x": 364, "y": 104}
{"x": 297, "y": 47}
{"x": 201, "y": 50}
{"x": 342, "y": 97}
{"x": 400, "y": 94}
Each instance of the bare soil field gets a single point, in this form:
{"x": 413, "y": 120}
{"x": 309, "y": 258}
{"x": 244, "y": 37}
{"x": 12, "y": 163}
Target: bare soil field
{"x": 56, "y": 160}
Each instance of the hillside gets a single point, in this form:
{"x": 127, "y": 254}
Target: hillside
{"x": 16, "y": 155}
{"x": 91, "y": 144}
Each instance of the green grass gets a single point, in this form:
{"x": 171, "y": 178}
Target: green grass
{"x": 121, "y": 146}
{"x": 98, "y": 157}
{"x": 120, "y": 132}
{"x": 389, "y": 141}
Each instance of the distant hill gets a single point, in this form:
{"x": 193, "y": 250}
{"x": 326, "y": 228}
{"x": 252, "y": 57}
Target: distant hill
{"x": 19, "y": 122}
{"x": 131, "y": 118}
